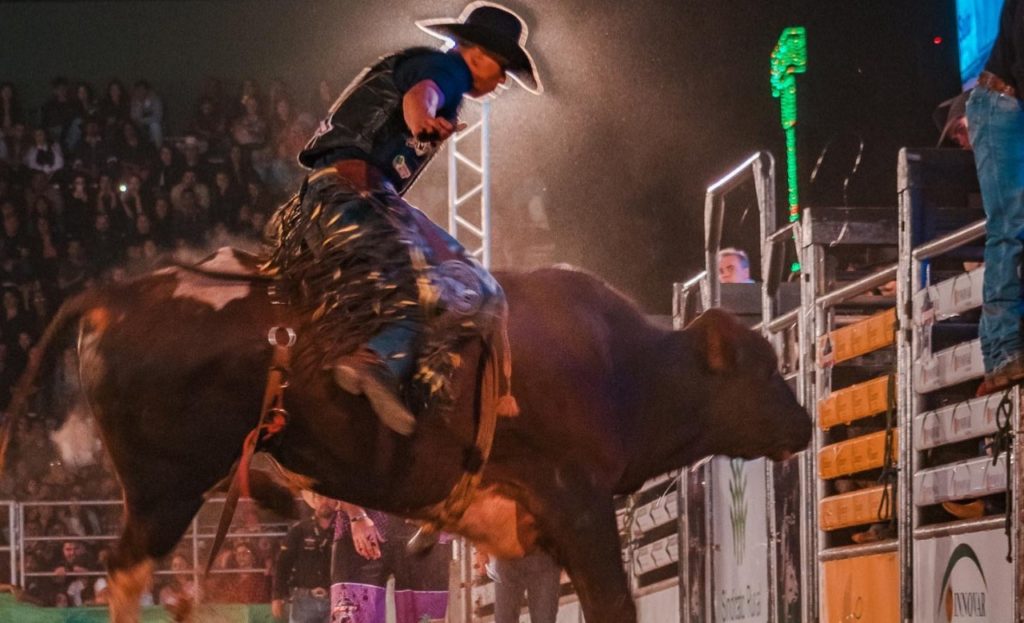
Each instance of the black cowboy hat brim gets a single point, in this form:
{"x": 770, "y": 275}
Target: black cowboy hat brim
{"x": 949, "y": 111}
{"x": 520, "y": 65}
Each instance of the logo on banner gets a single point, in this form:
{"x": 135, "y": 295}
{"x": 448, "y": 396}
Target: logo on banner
{"x": 963, "y": 595}
{"x": 738, "y": 509}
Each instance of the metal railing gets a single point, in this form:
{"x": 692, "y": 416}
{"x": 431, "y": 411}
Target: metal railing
{"x": 828, "y": 303}
{"x": 822, "y": 298}
{"x": 9, "y": 530}
{"x": 760, "y": 168}
{"x": 196, "y": 540}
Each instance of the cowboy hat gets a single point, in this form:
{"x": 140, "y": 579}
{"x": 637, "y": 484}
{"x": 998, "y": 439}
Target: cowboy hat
{"x": 496, "y": 29}
{"x": 948, "y": 112}
{"x": 312, "y": 499}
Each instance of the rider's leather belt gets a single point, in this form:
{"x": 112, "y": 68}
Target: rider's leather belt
{"x": 993, "y": 82}
{"x": 318, "y": 592}
{"x": 362, "y": 175}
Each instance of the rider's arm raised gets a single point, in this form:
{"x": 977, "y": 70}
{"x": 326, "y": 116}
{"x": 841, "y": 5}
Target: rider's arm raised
{"x": 420, "y": 105}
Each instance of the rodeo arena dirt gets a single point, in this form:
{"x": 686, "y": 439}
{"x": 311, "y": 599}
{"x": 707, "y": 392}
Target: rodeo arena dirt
{"x": 702, "y": 313}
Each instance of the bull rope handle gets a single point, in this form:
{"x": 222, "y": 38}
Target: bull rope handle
{"x": 1002, "y": 442}
{"x": 890, "y": 468}
{"x": 493, "y": 400}
{"x": 273, "y": 418}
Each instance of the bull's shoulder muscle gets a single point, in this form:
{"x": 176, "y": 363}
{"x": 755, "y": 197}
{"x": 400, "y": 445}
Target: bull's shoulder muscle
{"x": 589, "y": 320}
{"x": 566, "y": 286}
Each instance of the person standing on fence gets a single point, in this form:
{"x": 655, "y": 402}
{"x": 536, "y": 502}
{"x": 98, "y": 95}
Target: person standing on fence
{"x": 303, "y": 571}
{"x": 995, "y": 115}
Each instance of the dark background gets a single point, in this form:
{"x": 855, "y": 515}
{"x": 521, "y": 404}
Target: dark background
{"x": 647, "y": 103}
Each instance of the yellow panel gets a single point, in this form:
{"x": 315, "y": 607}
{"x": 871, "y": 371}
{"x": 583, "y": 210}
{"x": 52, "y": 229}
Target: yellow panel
{"x": 854, "y": 455}
{"x": 862, "y": 589}
{"x": 852, "y": 509}
{"x": 859, "y": 338}
{"x": 854, "y": 402}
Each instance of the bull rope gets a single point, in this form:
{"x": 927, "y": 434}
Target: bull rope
{"x": 273, "y": 418}
{"x": 496, "y": 401}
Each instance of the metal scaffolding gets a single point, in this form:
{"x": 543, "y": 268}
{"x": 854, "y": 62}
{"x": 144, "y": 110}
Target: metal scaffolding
{"x": 469, "y": 185}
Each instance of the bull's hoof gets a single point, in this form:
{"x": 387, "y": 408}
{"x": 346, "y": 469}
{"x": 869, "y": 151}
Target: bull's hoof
{"x": 181, "y": 609}
{"x": 423, "y": 541}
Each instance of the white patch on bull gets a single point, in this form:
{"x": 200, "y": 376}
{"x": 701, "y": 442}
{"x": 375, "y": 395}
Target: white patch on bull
{"x": 213, "y": 292}
{"x": 77, "y": 441}
{"x": 497, "y": 525}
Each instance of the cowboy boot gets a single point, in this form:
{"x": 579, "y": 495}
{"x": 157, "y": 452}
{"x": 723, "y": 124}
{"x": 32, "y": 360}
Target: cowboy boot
{"x": 423, "y": 541}
{"x": 1008, "y": 373}
{"x": 364, "y": 373}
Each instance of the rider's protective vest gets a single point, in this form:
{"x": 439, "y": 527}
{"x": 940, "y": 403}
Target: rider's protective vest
{"x": 367, "y": 123}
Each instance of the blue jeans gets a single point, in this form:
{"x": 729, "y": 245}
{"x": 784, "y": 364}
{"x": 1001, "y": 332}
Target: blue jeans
{"x": 396, "y": 343}
{"x": 308, "y": 609}
{"x": 996, "y": 125}
{"x": 538, "y": 574}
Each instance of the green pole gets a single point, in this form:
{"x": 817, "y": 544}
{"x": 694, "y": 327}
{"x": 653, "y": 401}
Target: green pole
{"x": 788, "y": 59}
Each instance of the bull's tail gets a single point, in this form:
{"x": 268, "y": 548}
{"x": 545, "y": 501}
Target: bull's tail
{"x": 71, "y": 310}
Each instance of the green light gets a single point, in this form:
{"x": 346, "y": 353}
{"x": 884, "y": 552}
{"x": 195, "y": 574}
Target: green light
{"x": 795, "y": 267}
{"x": 788, "y": 59}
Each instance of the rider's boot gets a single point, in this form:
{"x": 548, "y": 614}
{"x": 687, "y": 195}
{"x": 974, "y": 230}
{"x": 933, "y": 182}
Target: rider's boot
{"x": 365, "y": 373}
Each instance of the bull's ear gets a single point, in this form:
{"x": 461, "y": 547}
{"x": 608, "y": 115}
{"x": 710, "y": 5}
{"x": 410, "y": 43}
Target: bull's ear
{"x": 715, "y": 334}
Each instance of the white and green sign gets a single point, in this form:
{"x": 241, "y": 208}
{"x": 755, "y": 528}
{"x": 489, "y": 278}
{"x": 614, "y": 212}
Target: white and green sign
{"x": 739, "y": 541}
{"x": 963, "y": 579}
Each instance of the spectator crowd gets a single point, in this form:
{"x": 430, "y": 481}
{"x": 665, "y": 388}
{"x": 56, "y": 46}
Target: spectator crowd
{"x": 95, "y": 187}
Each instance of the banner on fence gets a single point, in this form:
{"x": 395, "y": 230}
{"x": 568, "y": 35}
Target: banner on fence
{"x": 740, "y": 534}
{"x": 963, "y": 579}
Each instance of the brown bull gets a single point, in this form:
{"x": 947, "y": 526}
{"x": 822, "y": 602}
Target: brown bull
{"x": 174, "y": 365}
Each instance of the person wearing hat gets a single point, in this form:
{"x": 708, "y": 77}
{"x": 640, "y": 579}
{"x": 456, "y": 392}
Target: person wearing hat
{"x": 995, "y": 114}
{"x": 951, "y": 118}
{"x": 302, "y": 573}
{"x": 359, "y": 252}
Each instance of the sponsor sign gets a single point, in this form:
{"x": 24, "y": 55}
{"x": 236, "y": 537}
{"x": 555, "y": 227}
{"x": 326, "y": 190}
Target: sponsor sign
{"x": 740, "y": 534}
{"x": 963, "y": 579}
